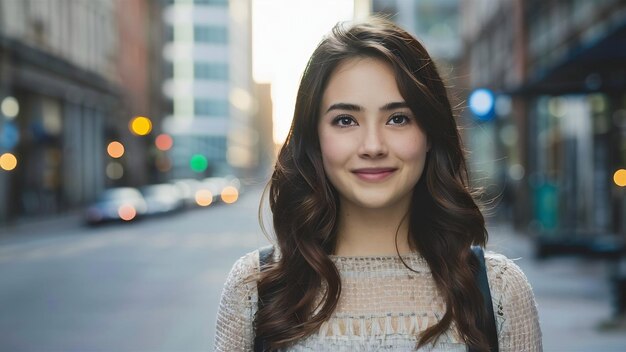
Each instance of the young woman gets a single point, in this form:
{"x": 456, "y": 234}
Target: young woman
{"x": 373, "y": 218}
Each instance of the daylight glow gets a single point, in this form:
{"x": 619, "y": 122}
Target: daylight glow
{"x": 282, "y": 46}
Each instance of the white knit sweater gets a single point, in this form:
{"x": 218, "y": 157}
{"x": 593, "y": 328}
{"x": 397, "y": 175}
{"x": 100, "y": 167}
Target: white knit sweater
{"x": 384, "y": 307}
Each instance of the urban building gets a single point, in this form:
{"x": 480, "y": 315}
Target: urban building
{"x": 209, "y": 83}
{"x": 558, "y": 136}
{"x": 265, "y": 127}
{"x": 72, "y": 74}
{"x": 434, "y": 23}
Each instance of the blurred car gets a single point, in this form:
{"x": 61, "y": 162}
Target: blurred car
{"x": 162, "y": 199}
{"x": 187, "y": 189}
{"x": 226, "y": 189}
{"x": 116, "y": 204}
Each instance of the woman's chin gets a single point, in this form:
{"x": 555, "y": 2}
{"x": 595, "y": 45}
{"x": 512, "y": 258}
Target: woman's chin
{"x": 382, "y": 201}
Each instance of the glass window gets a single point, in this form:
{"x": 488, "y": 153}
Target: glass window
{"x": 210, "y": 2}
{"x": 210, "y": 107}
{"x": 214, "y": 71}
{"x": 210, "y": 34}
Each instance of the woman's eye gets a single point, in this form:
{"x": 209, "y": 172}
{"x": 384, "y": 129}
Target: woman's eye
{"x": 399, "y": 120}
{"x": 344, "y": 121}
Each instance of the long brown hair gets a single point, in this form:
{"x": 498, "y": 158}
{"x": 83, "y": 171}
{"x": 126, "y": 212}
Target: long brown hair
{"x": 444, "y": 220}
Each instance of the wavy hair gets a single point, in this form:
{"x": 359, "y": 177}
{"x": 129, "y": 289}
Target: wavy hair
{"x": 444, "y": 219}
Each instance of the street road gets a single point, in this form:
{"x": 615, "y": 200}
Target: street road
{"x": 153, "y": 285}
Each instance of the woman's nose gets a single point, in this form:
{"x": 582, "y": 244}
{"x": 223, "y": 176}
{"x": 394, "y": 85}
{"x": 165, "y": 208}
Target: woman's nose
{"x": 373, "y": 144}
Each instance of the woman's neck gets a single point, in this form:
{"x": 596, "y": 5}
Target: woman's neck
{"x": 365, "y": 231}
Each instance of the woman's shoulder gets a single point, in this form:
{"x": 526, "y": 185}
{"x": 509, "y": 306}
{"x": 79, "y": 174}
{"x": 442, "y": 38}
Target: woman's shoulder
{"x": 505, "y": 276}
{"x": 243, "y": 274}
{"x": 502, "y": 266}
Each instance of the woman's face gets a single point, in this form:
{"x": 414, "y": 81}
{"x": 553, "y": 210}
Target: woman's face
{"x": 372, "y": 148}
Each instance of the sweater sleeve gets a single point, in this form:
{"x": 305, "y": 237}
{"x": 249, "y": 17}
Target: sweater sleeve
{"x": 514, "y": 306}
{"x": 234, "y": 331}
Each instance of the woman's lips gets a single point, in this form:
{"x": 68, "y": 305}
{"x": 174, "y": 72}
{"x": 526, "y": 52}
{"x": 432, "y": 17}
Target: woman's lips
{"x": 373, "y": 174}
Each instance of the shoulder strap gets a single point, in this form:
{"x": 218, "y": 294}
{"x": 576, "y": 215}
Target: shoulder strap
{"x": 265, "y": 257}
{"x": 481, "y": 279}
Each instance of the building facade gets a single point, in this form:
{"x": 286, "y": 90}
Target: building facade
{"x": 558, "y": 136}
{"x": 209, "y": 84}
{"x": 61, "y": 76}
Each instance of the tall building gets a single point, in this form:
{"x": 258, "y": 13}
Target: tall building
{"x": 433, "y": 22}
{"x": 560, "y": 84}
{"x": 210, "y": 86}
{"x": 58, "y": 77}
{"x": 71, "y": 76}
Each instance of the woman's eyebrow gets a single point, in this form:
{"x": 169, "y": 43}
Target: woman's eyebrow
{"x": 354, "y": 107}
{"x": 394, "y": 106}
{"x": 344, "y": 106}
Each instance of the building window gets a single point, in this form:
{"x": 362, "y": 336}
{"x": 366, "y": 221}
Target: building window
{"x": 215, "y": 148}
{"x": 168, "y": 69}
{"x": 168, "y": 33}
{"x": 210, "y": 34}
{"x": 213, "y": 71}
{"x": 210, "y": 2}
{"x": 210, "y": 107}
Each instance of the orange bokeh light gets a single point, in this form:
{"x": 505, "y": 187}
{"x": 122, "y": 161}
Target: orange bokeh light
{"x": 204, "y": 197}
{"x": 230, "y": 194}
{"x": 115, "y": 149}
{"x": 8, "y": 161}
{"x": 164, "y": 142}
{"x": 619, "y": 177}
{"x": 126, "y": 212}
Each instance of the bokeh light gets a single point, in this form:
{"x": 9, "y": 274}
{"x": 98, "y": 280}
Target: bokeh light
{"x": 163, "y": 163}
{"x": 8, "y": 161}
{"x": 204, "y": 197}
{"x": 163, "y": 142}
{"x": 126, "y": 212}
{"x": 619, "y": 177}
{"x": 9, "y": 135}
{"x": 10, "y": 107}
{"x": 198, "y": 163}
{"x": 115, "y": 149}
{"x": 481, "y": 103}
{"x": 114, "y": 170}
{"x": 140, "y": 125}
{"x": 230, "y": 194}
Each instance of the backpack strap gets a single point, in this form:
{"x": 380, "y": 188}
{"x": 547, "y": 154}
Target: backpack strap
{"x": 265, "y": 258}
{"x": 489, "y": 328}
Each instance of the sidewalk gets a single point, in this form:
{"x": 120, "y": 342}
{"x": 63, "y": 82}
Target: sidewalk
{"x": 573, "y": 295}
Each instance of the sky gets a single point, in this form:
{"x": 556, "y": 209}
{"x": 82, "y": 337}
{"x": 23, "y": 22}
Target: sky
{"x": 284, "y": 35}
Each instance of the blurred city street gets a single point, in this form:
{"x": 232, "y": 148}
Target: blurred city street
{"x": 134, "y": 133}
{"x": 154, "y": 285}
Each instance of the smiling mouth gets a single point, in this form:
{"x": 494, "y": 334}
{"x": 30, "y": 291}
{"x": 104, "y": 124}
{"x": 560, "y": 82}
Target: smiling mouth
{"x": 373, "y": 174}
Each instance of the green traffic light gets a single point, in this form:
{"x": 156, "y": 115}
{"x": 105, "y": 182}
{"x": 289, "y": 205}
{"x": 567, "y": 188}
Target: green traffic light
{"x": 198, "y": 163}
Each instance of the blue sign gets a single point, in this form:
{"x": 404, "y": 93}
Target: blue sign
{"x": 9, "y": 135}
{"x": 482, "y": 104}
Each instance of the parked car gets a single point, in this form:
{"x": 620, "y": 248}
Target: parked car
{"x": 162, "y": 199}
{"x": 116, "y": 204}
{"x": 187, "y": 189}
{"x": 227, "y": 188}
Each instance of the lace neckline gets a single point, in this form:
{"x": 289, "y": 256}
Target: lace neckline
{"x": 374, "y": 263}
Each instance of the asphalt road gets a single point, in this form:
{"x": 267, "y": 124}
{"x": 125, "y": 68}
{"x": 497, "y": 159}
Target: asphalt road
{"x": 153, "y": 285}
